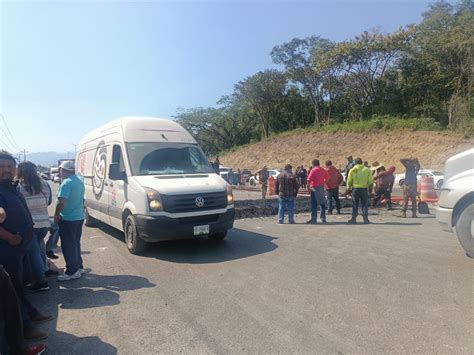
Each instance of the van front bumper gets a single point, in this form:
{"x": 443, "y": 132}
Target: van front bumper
{"x": 444, "y": 217}
{"x": 158, "y": 228}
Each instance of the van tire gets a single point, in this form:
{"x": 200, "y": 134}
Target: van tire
{"x": 89, "y": 221}
{"x": 134, "y": 243}
{"x": 218, "y": 236}
{"x": 464, "y": 230}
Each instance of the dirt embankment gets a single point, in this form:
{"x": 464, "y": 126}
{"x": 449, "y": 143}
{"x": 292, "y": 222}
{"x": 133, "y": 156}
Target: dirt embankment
{"x": 431, "y": 148}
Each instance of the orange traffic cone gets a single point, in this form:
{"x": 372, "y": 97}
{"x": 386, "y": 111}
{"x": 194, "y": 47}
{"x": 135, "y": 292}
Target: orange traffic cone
{"x": 426, "y": 189}
{"x": 271, "y": 186}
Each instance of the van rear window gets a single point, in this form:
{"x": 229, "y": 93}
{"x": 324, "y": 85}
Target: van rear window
{"x": 167, "y": 159}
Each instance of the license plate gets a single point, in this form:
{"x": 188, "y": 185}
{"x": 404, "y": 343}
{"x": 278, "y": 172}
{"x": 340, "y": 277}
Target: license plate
{"x": 200, "y": 230}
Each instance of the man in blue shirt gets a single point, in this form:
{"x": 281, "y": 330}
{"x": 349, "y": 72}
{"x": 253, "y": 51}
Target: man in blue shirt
{"x": 70, "y": 216}
{"x": 16, "y": 234}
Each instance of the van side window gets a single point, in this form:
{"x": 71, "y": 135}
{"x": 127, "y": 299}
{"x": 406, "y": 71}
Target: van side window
{"x": 117, "y": 157}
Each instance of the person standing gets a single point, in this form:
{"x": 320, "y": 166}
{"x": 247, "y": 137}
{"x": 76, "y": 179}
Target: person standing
{"x": 332, "y": 187}
{"x": 384, "y": 181}
{"x": 263, "y": 180}
{"x": 37, "y": 195}
{"x": 286, "y": 186}
{"x": 350, "y": 164}
{"x": 317, "y": 179}
{"x": 359, "y": 182}
{"x": 412, "y": 166}
{"x": 16, "y": 236}
{"x": 303, "y": 176}
{"x": 70, "y": 217}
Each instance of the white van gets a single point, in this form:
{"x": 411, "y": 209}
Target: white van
{"x": 147, "y": 177}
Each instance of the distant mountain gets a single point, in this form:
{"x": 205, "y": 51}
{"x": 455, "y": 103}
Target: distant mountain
{"x": 48, "y": 158}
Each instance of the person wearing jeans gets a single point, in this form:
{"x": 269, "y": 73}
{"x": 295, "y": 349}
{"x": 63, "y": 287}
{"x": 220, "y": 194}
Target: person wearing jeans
{"x": 70, "y": 216}
{"x": 332, "y": 187}
{"x": 37, "y": 195}
{"x": 286, "y": 186}
{"x": 359, "y": 181}
{"x": 317, "y": 179}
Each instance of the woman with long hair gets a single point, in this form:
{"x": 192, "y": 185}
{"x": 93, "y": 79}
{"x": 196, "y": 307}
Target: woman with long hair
{"x": 37, "y": 194}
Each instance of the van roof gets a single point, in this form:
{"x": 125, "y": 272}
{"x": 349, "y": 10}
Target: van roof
{"x": 144, "y": 128}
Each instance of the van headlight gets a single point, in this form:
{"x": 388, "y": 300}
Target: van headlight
{"x": 154, "y": 200}
{"x": 230, "y": 195}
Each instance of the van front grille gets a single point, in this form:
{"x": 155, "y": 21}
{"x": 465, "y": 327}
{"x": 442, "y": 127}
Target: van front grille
{"x": 194, "y": 202}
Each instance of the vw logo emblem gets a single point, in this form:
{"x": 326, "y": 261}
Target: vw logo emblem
{"x": 199, "y": 201}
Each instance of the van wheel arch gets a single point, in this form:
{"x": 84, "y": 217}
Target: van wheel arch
{"x": 461, "y": 206}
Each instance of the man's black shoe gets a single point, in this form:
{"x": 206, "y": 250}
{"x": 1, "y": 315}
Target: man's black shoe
{"x": 50, "y": 254}
{"x": 39, "y": 287}
{"x": 352, "y": 221}
{"x": 311, "y": 222}
{"x": 366, "y": 221}
{"x": 50, "y": 273}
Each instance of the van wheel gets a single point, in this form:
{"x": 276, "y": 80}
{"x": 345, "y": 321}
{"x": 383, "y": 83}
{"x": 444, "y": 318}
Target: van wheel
{"x": 218, "y": 236}
{"x": 464, "y": 228}
{"x": 401, "y": 182}
{"x": 135, "y": 244}
{"x": 89, "y": 221}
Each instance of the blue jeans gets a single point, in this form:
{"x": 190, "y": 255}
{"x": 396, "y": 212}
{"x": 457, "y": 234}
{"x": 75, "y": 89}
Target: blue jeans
{"x": 360, "y": 196}
{"x": 318, "y": 199}
{"x": 286, "y": 203}
{"x": 70, "y": 233}
{"x": 37, "y": 255}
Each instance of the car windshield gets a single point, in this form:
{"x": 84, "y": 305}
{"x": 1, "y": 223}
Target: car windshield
{"x": 437, "y": 173}
{"x": 167, "y": 159}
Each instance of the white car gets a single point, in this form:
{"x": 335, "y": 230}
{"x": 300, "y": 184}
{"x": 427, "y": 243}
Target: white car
{"x": 438, "y": 177}
{"x": 455, "y": 211}
{"x": 271, "y": 172}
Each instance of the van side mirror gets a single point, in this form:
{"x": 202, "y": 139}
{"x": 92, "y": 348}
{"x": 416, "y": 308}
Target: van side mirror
{"x": 115, "y": 173}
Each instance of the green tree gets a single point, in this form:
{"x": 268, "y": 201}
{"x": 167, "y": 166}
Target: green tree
{"x": 263, "y": 93}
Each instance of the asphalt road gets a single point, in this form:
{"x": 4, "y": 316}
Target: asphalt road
{"x": 393, "y": 286}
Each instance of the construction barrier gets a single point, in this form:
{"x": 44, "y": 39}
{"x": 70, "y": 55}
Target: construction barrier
{"x": 271, "y": 186}
{"x": 427, "y": 189}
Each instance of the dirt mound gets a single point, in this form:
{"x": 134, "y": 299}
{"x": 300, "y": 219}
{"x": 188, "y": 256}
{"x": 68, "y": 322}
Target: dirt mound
{"x": 432, "y": 149}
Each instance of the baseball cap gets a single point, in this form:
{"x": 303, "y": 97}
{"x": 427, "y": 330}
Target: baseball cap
{"x": 68, "y": 165}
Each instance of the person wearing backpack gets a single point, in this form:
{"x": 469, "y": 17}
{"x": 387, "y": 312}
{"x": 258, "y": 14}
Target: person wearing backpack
{"x": 37, "y": 194}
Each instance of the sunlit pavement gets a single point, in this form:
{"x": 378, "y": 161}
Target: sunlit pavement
{"x": 397, "y": 285}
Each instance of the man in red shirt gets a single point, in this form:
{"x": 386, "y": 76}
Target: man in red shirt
{"x": 332, "y": 186}
{"x": 316, "y": 180}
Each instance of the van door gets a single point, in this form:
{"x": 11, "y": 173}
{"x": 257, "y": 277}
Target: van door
{"x": 117, "y": 190}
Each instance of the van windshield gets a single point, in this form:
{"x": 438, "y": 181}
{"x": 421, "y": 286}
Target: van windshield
{"x": 167, "y": 159}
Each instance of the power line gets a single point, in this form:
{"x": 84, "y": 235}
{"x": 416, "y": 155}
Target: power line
{"x": 9, "y": 145}
{"x": 10, "y": 138}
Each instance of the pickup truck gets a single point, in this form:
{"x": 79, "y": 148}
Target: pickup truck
{"x": 455, "y": 210}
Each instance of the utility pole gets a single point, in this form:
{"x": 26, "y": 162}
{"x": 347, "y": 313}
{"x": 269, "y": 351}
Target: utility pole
{"x": 24, "y": 154}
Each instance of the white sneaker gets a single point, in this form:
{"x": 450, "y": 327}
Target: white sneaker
{"x": 66, "y": 277}
{"x": 82, "y": 271}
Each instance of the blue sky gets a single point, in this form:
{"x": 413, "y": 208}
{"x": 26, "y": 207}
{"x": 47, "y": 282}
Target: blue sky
{"x": 67, "y": 67}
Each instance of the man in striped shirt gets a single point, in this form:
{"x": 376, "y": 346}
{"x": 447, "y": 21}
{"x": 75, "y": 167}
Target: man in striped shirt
{"x": 286, "y": 187}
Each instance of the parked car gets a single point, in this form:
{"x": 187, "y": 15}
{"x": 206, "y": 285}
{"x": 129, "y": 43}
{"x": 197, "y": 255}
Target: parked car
{"x": 455, "y": 211}
{"x": 253, "y": 180}
{"x": 246, "y": 174}
{"x": 224, "y": 172}
{"x": 56, "y": 178}
{"x": 438, "y": 177}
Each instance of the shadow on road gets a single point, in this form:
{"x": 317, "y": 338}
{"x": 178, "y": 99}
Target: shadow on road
{"x": 238, "y": 244}
{"x": 69, "y": 344}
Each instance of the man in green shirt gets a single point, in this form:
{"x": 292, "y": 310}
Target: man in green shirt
{"x": 359, "y": 181}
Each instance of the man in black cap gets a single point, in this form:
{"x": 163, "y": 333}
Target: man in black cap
{"x": 16, "y": 234}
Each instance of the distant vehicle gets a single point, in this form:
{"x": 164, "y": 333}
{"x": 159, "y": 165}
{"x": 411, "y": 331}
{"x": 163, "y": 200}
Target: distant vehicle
{"x": 44, "y": 176}
{"x": 148, "y": 177}
{"x": 54, "y": 174}
{"x": 246, "y": 174}
{"x": 224, "y": 172}
{"x": 438, "y": 177}
{"x": 455, "y": 211}
{"x": 253, "y": 180}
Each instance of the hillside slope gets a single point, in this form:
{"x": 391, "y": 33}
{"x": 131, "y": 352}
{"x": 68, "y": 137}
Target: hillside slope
{"x": 387, "y": 147}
